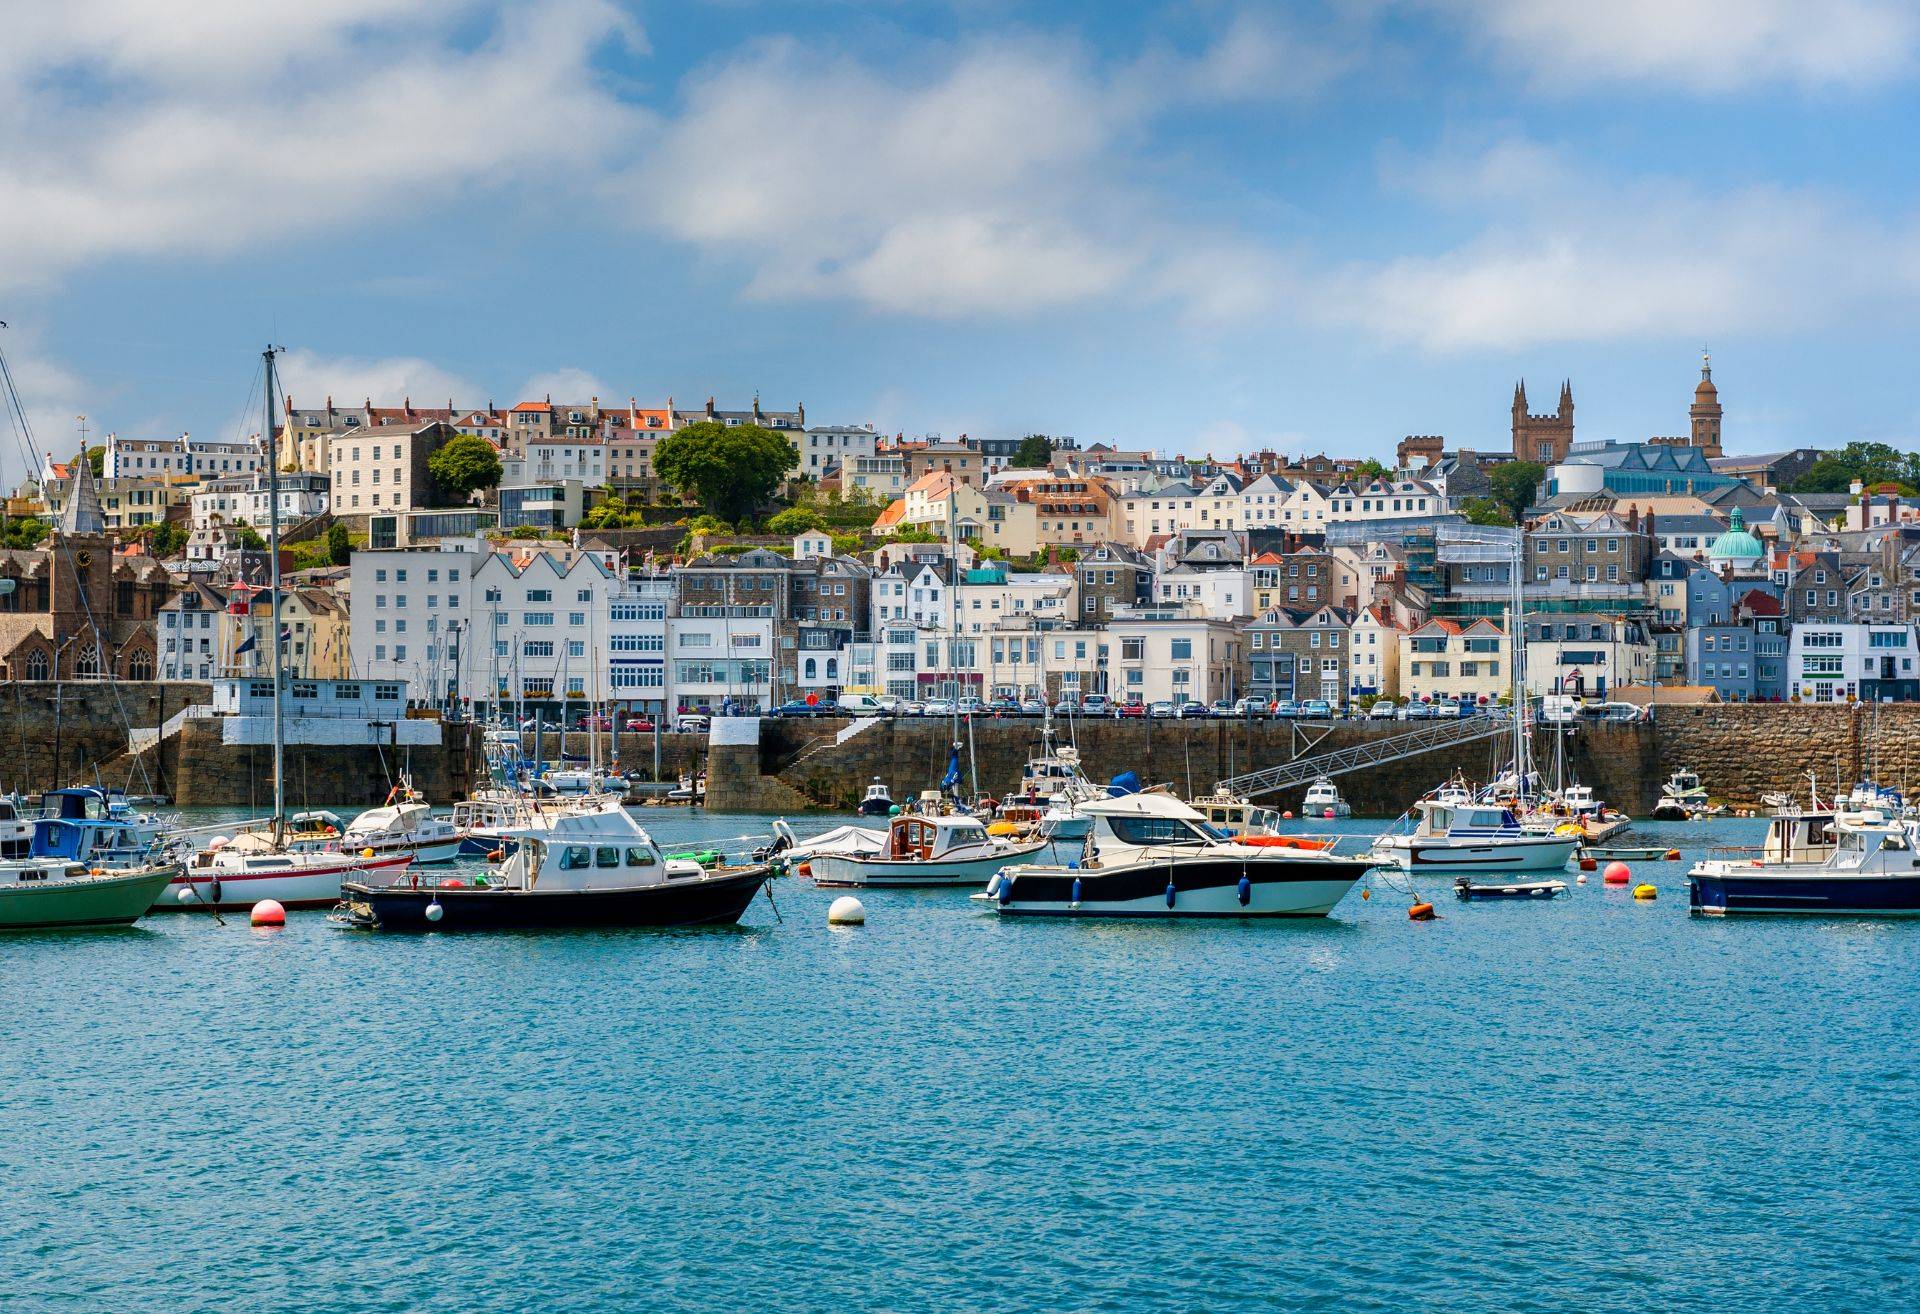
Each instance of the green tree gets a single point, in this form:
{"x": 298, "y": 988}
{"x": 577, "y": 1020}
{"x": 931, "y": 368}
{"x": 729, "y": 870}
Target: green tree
{"x": 796, "y": 520}
{"x": 1485, "y": 511}
{"x": 166, "y": 539}
{"x": 708, "y": 526}
{"x": 610, "y": 513}
{"x": 846, "y": 544}
{"x": 97, "y": 461}
{"x": 1514, "y": 484}
{"x": 463, "y": 466}
{"x": 731, "y": 469}
{"x": 23, "y": 532}
{"x": 339, "y": 544}
{"x": 251, "y": 540}
{"x": 1371, "y": 469}
{"x": 1034, "y": 452}
{"x": 1870, "y": 463}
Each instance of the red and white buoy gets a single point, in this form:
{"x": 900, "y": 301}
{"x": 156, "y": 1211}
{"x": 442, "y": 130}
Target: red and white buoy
{"x": 1618, "y": 873}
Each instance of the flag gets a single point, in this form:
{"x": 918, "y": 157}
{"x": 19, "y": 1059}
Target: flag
{"x": 952, "y": 777}
{"x": 246, "y": 645}
{"x": 286, "y": 635}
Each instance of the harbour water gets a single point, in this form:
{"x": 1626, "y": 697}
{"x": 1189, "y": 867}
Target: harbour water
{"x": 1590, "y": 1103}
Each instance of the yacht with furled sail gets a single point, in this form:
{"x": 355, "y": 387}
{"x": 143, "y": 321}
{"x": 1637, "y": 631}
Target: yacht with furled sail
{"x": 1473, "y": 837}
{"x": 591, "y": 868}
{"x": 255, "y": 864}
{"x": 1150, "y": 855}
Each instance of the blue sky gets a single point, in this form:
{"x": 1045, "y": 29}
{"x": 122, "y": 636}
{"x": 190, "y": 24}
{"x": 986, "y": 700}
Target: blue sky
{"x": 1189, "y": 226}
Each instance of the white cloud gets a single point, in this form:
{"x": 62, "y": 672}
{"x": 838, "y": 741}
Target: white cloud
{"x": 310, "y": 378}
{"x": 1710, "y": 46}
{"x": 223, "y": 129}
{"x": 53, "y": 397}
{"x": 565, "y": 385}
{"x": 1592, "y": 260}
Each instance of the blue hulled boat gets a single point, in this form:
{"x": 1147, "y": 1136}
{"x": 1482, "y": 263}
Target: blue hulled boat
{"x": 1815, "y": 864}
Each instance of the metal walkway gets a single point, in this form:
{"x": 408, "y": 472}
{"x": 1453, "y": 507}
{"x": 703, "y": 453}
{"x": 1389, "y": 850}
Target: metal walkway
{"x": 1429, "y": 738}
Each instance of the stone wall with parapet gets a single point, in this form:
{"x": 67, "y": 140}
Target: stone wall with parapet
{"x": 54, "y": 734}
{"x": 1745, "y": 750}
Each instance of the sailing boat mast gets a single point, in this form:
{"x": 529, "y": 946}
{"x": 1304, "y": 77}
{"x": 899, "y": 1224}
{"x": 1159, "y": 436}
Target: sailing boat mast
{"x": 273, "y": 567}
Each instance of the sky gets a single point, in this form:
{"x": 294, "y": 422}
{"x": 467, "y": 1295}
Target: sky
{"x": 1193, "y": 226}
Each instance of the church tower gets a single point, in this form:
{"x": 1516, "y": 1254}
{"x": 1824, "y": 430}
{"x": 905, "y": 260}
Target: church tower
{"x": 1705, "y": 410}
{"x": 1542, "y": 438}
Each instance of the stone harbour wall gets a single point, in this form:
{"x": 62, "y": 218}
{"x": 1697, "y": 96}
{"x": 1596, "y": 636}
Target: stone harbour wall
{"x": 54, "y": 734}
{"x": 1745, "y": 750}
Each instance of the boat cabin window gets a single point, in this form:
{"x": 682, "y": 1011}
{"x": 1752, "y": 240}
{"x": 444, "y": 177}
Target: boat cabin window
{"x": 606, "y": 857}
{"x": 1157, "y": 830}
{"x": 639, "y": 857}
{"x": 72, "y": 806}
{"x": 575, "y": 856}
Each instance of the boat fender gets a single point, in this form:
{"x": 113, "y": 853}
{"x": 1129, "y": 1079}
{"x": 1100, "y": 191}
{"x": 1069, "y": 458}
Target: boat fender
{"x": 1365, "y": 893}
{"x": 213, "y": 890}
{"x": 993, "y": 885}
{"x": 1170, "y": 892}
{"x": 1673, "y": 855}
{"x": 1421, "y": 912}
{"x": 1006, "y": 889}
{"x": 435, "y": 912}
{"x": 1073, "y": 864}
{"x": 1076, "y": 893}
{"x": 498, "y": 855}
{"x": 1246, "y": 890}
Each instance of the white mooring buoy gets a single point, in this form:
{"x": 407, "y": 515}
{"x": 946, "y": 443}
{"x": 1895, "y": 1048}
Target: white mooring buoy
{"x": 846, "y": 911}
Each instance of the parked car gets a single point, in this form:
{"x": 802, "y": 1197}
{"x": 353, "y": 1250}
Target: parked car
{"x": 1223, "y": 707}
{"x": 1004, "y": 707}
{"x": 1251, "y": 707}
{"x": 1383, "y": 710}
{"x": 939, "y": 707}
{"x": 1285, "y": 709}
{"x": 1097, "y": 705}
{"x": 1191, "y": 711}
{"x": 971, "y": 707}
{"x": 692, "y": 723}
{"x": 1416, "y": 711}
{"x": 1559, "y": 709}
{"x": 911, "y": 708}
{"x": 1446, "y": 709}
{"x": 596, "y": 721}
{"x": 1131, "y": 709}
{"x": 1160, "y": 708}
{"x": 1067, "y": 707}
{"x": 1316, "y": 709}
{"x": 640, "y": 725}
{"x": 797, "y": 707}
{"x": 1033, "y": 707}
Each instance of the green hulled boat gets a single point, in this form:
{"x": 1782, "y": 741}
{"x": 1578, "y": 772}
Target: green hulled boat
{"x": 50, "y": 894}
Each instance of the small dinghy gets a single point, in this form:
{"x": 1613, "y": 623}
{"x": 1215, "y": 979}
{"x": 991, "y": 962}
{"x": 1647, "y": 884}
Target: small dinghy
{"x": 1628, "y": 855}
{"x": 1464, "y": 888}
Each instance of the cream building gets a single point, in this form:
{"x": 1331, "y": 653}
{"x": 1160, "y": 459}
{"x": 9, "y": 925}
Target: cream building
{"x": 1453, "y": 659}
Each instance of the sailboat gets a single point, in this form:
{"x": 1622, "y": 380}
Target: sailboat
{"x": 256, "y": 864}
{"x": 1572, "y": 808}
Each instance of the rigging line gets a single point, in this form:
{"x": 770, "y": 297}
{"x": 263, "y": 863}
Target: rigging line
{"x": 57, "y": 543}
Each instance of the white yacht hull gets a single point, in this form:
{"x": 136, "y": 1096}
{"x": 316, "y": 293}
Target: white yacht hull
{"x": 1531, "y": 853}
{"x": 316, "y": 886}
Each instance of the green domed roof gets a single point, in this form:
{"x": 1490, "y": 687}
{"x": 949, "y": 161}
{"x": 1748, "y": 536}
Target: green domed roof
{"x": 1736, "y": 544}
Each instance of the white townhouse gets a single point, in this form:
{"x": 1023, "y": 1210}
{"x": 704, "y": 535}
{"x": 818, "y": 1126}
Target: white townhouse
{"x": 1383, "y": 499}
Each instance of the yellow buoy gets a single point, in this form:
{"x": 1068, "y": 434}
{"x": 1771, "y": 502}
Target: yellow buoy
{"x": 1645, "y": 892}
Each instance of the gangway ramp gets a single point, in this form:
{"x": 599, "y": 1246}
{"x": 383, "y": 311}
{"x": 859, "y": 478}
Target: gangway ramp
{"x": 1429, "y": 738}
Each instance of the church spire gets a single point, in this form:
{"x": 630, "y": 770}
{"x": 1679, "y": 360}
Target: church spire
{"x": 81, "y": 516}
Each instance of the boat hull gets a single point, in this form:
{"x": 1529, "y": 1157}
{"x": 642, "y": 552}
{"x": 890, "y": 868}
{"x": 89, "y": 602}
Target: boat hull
{"x": 1803, "y": 894}
{"x": 115, "y": 899}
{"x": 706, "y": 901}
{"x": 843, "y": 871}
{"x": 1277, "y": 887}
{"x": 316, "y": 887}
{"x": 1535, "y": 853}
{"x": 876, "y": 807}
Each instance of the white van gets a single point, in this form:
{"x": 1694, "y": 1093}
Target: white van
{"x": 862, "y": 705}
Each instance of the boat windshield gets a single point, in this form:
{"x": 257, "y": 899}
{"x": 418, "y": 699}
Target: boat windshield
{"x": 1158, "y": 831}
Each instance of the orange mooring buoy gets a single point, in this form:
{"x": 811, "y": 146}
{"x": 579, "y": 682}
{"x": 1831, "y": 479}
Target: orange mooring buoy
{"x": 1421, "y": 912}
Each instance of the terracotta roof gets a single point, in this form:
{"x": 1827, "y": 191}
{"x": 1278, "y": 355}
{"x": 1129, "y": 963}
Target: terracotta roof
{"x": 895, "y": 511}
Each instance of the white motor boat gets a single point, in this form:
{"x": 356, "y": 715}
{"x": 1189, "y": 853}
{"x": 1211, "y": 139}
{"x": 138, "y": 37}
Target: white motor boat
{"x": 16, "y": 827}
{"x": 1150, "y": 855}
{"x": 406, "y": 825}
{"x": 580, "y": 781}
{"x": 1683, "y": 798}
{"x": 878, "y": 801}
{"x": 1323, "y": 800}
{"x": 925, "y": 850}
{"x": 1473, "y": 837}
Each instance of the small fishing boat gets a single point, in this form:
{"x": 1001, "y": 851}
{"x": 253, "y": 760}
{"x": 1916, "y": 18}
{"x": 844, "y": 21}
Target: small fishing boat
{"x": 1628, "y": 855}
{"x": 1323, "y": 800}
{"x": 1466, "y": 888}
{"x": 1871, "y": 870}
{"x": 589, "y": 869}
{"x": 82, "y": 868}
{"x": 925, "y": 849}
{"x": 1234, "y": 816}
{"x": 578, "y": 781}
{"x": 50, "y": 894}
{"x": 878, "y": 801}
{"x": 1682, "y": 798}
{"x": 690, "y": 791}
{"x": 1150, "y": 855}
{"x": 1473, "y": 837}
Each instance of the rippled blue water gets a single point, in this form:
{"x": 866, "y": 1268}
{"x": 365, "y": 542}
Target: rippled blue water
{"x": 1587, "y": 1104}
